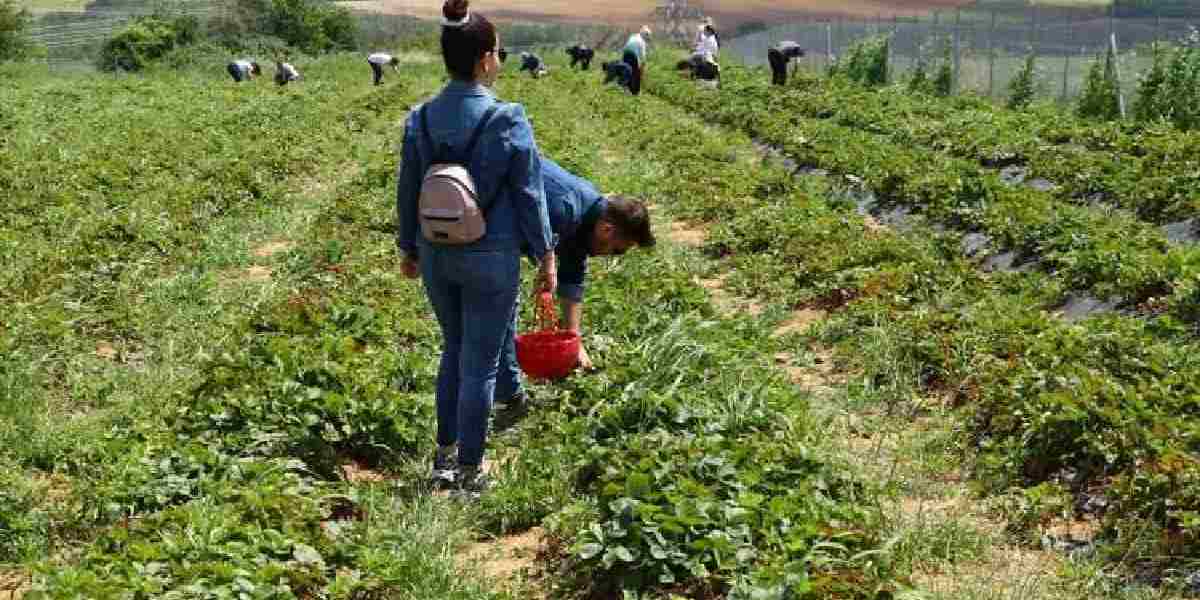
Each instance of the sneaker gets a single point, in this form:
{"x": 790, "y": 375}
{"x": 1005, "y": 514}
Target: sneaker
{"x": 507, "y": 413}
{"x": 445, "y": 467}
{"x": 472, "y": 482}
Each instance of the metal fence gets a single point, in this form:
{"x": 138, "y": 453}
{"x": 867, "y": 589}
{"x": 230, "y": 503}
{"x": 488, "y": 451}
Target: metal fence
{"x": 985, "y": 48}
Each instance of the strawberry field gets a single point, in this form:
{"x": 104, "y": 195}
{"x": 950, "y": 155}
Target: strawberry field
{"x": 215, "y": 382}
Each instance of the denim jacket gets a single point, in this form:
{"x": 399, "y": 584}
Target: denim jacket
{"x": 506, "y": 167}
{"x": 575, "y": 208}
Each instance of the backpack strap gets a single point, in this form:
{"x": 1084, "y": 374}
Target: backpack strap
{"x": 478, "y": 133}
{"x": 475, "y": 135}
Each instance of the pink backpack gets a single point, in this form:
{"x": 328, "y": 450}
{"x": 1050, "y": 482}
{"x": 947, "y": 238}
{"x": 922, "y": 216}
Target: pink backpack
{"x": 448, "y": 208}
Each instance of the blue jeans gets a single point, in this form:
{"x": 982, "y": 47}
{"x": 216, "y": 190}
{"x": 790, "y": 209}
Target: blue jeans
{"x": 508, "y": 380}
{"x": 474, "y": 294}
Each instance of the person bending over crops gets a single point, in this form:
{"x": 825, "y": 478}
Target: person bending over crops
{"x": 618, "y": 72}
{"x": 285, "y": 73}
{"x": 587, "y": 224}
{"x": 701, "y": 66}
{"x": 243, "y": 70}
{"x": 780, "y": 56}
{"x": 533, "y": 63}
{"x": 634, "y": 55}
{"x": 503, "y": 55}
{"x": 472, "y": 286}
{"x": 378, "y": 60}
{"x": 581, "y": 55}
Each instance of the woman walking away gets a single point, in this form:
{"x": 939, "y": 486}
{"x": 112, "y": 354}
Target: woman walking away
{"x": 634, "y": 55}
{"x": 243, "y": 70}
{"x": 780, "y": 56}
{"x": 377, "y": 62}
{"x": 285, "y": 73}
{"x": 463, "y": 146}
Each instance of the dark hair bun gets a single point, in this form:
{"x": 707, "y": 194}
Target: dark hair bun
{"x": 455, "y": 10}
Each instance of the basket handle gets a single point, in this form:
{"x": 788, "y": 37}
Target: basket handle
{"x": 547, "y": 316}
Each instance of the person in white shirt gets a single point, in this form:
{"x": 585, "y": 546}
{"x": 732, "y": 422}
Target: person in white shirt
{"x": 707, "y": 41}
{"x": 377, "y": 62}
{"x": 243, "y": 70}
{"x": 634, "y": 55}
{"x": 285, "y": 72}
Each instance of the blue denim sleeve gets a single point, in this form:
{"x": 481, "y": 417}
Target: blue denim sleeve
{"x": 528, "y": 189}
{"x": 572, "y": 268}
{"x": 408, "y": 188}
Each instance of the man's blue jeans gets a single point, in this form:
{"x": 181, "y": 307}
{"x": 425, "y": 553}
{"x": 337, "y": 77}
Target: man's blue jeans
{"x": 508, "y": 380}
{"x": 474, "y": 294}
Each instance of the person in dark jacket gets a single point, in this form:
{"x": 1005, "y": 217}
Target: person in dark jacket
{"x": 587, "y": 224}
{"x": 618, "y": 71}
{"x": 780, "y": 56}
{"x": 532, "y": 63}
{"x": 581, "y": 55}
{"x": 243, "y": 70}
{"x": 702, "y": 67}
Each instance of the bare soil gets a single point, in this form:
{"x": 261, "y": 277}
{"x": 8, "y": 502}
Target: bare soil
{"x": 505, "y": 559}
{"x": 727, "y": 13}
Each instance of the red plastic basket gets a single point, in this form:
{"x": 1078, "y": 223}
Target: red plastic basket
{"x": 550, "y": 353}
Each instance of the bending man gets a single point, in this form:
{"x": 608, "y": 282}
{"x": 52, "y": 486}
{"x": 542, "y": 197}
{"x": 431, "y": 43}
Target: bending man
{"x": 780, "y": 56}
{"x": 587, "y": 224}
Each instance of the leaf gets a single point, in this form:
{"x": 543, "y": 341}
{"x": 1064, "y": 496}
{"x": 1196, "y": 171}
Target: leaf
{"x": 306, "y": 554}
{"x": 590, "y": 550}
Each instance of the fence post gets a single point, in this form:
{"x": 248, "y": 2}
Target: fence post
{"x": 828, "y": 45}
{"x": 957, "y": 50}
{"x": 1117, "y": 72}
{"x": 992, "y": 57}
{"x": 1067, "y": 57}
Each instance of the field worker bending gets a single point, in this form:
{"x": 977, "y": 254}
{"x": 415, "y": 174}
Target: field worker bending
{"x": 469, "y": 256}
{"x": 780, "y": 56}
{"x": 587, "y": 224}
{"x": 285, "y": 73}
{"x": 619, "y": 72}
{"x": 701, "y": 66}
{"x": 634, "y": 55}
{"x": 533, "y": 63}
{"x": 243, "y": 70}
{"x": 378, "y": 60}
{"x": 581, "y": 55}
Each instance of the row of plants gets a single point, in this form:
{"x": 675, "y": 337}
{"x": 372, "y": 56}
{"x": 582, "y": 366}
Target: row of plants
{"x": 224, "y": 481}
{"x": 203, "y": 462}
{"x": 1064, "y": 413}
{"x": 1147, "y": 168}
{"x": 1110, "y": 253}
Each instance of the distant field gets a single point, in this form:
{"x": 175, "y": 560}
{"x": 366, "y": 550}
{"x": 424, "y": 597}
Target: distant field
{"x": 728, "y": 12}
{"x": 38, "y": 6}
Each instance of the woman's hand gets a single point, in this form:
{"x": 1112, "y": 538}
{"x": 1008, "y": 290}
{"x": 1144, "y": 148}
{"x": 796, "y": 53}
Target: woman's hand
{"x": 548, "y": 274}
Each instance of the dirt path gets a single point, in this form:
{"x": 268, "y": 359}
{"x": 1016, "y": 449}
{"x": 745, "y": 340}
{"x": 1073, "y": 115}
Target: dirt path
{"x": 935, "y": 504}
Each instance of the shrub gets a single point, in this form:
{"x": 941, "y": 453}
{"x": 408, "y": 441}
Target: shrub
{"x": 943, "y": 82}
{"x": 1021, "y": 89}
{"x": 1099, "y": 99}
{"x": 1169, "y": 90}
{"x": 146, "y": 40}
{"x": 14, "y": 21}
{"x": 866, "y": 63}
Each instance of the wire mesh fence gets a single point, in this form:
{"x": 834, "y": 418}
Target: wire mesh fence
{"x": 985, "y": 46}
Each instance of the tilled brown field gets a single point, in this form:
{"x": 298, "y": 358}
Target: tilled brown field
{"x": 728, "y": 13}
